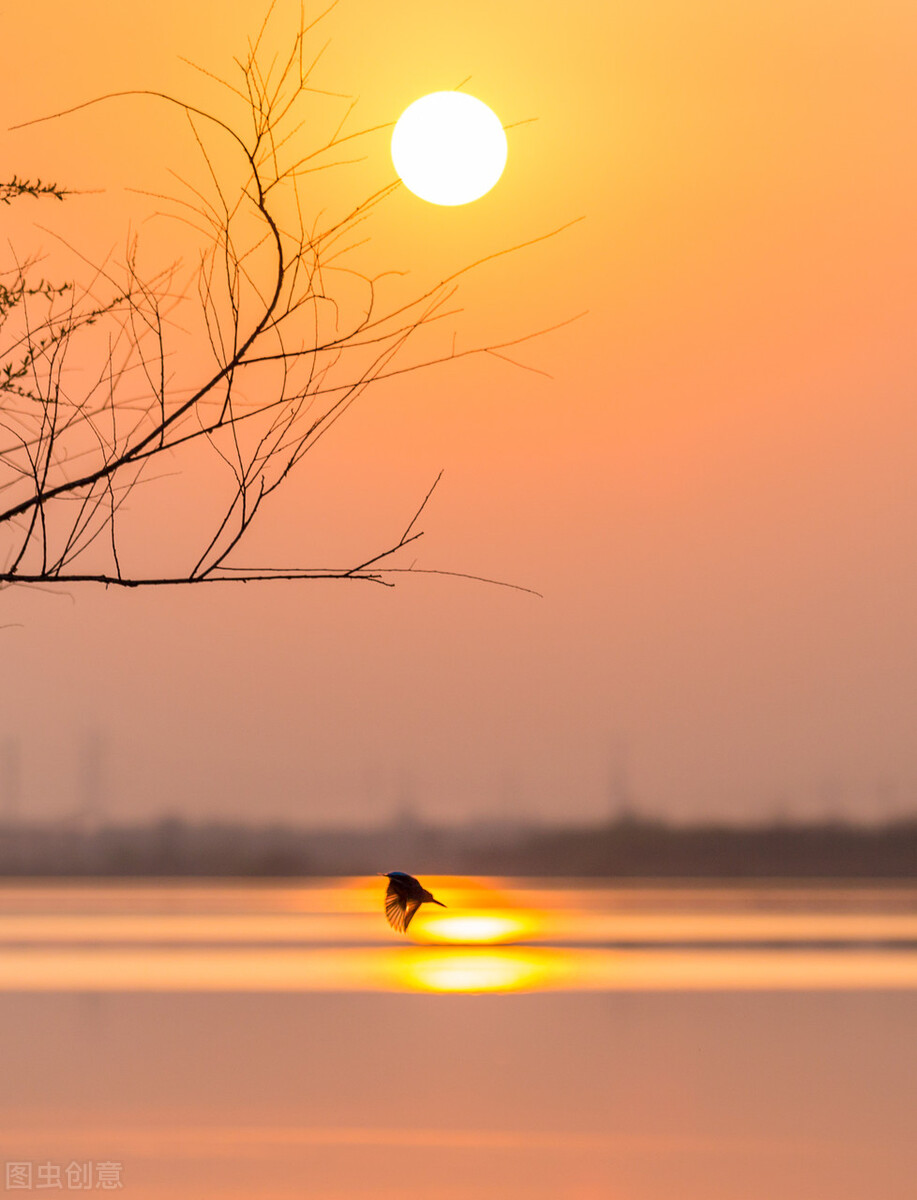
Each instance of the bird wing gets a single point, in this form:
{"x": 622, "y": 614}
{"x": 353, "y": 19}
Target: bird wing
{"x": 410, "y": 908}
{"x": 395, "y": 908}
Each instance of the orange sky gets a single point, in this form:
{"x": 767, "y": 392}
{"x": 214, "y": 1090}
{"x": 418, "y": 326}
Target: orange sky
{"x": 715, "y": 494}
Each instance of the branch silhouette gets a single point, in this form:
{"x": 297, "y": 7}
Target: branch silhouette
{"x": 294, "y": 335}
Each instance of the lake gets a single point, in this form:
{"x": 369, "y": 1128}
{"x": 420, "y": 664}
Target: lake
{"x": 536, "y": 1038}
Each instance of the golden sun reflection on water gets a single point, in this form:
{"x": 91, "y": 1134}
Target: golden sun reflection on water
{"x": 495, "y": 936}
{"x": 442, "y": 969}
{"x": 463, "y": 928}
{"x": 491, "y": 970}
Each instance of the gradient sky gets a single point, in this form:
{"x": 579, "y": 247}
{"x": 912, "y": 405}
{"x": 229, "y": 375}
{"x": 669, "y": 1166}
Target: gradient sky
{"x": 715, "y": 493}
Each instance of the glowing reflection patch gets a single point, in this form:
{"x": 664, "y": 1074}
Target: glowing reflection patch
{"x": 473, "y": 971}
{"x": 477, "y": 927}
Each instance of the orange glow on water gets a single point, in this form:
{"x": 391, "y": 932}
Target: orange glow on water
{"x": 332, "y": 937}
{"x": 465, "y": 927}
{"x": 474, "y": 971}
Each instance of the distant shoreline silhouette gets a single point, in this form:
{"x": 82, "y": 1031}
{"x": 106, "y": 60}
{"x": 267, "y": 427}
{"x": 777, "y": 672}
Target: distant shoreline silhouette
{"x": 628, "y": 847}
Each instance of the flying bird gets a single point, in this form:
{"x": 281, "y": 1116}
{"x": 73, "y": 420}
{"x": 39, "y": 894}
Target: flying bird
{"x": 403, "y": 896}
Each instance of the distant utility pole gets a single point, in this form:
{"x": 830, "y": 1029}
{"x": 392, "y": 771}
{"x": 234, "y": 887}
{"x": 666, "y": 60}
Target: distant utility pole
{"x": 887, "y": 803}
{"x": 10, "y": 779}
{"x": 831, "y": 795}
{"x": 621, "y": 798}
{"x": 91, "y": 800}
{"x": 405, "y": 812}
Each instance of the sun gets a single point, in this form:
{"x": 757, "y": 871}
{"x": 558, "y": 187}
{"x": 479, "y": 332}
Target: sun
{"x": 449, "y": 148}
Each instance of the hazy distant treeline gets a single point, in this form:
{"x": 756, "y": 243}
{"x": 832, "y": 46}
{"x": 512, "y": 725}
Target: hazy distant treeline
{"x": 627, "y": 847}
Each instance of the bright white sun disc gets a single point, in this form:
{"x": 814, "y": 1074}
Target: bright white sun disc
{"x": 449, "y": 148}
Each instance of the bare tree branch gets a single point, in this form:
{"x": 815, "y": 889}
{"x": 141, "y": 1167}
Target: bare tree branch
{"x": 293, "y": 331}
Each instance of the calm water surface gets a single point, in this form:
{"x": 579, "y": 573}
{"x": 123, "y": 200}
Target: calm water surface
{"x": 533, "y": 1039}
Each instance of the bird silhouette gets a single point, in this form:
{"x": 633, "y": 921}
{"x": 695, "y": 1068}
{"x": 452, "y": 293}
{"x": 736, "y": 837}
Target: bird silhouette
{"x": 403, "y": 896}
